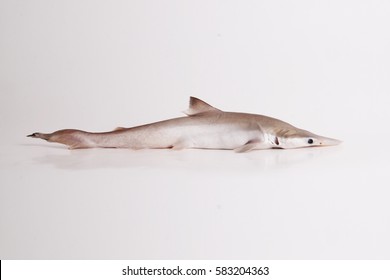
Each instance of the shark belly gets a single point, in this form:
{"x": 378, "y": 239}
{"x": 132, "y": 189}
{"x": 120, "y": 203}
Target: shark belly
{"x": 221, "y": 137}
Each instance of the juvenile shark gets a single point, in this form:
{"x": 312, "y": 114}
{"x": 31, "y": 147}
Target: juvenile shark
{"x": 205, "y": 127}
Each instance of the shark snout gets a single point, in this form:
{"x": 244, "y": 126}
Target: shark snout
{"x": 325, "y": 141}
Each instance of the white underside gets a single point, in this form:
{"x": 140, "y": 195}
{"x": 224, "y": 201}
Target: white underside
{"x": 221, "y": 136}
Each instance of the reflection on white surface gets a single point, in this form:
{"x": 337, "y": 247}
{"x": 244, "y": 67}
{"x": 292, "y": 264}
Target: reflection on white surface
{"x": 112, "y": 203}
{"x": 202, "y": 160}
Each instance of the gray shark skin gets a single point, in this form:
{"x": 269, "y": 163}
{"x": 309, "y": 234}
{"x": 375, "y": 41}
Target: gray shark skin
{"x": 204, "y": 127}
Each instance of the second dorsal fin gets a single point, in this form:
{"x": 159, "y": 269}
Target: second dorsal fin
{"x": 198, "y": 106}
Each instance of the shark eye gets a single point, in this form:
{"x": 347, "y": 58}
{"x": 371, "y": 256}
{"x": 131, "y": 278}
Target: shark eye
{"x": 310, "y": 141}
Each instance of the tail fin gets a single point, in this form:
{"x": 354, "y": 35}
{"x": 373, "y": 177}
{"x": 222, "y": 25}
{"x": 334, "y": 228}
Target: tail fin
{"x": 74, "y": 139}
{"x": 39, "y": 135}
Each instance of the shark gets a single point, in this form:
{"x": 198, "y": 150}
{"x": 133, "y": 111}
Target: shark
{"x": 204, "y": 127}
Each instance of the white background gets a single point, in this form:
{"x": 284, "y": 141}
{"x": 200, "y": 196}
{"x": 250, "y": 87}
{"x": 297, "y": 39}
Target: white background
{"x": 321, "y": 65}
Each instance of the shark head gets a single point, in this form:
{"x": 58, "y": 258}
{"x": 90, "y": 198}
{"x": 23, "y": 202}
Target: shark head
{"x": 299, "y": 138}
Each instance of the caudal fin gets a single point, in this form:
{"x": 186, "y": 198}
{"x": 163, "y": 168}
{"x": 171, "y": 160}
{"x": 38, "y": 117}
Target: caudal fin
{"x": 44, "y": 136}
{"x": 74, "y": 139}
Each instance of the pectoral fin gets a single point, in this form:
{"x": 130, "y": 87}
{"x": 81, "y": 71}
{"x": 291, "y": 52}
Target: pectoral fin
{"x": 251, "y": 145}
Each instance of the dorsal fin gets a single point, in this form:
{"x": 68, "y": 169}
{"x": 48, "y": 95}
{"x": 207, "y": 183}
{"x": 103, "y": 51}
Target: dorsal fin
{"x": 198, "y": 106}
{"x": 119, "y": 128}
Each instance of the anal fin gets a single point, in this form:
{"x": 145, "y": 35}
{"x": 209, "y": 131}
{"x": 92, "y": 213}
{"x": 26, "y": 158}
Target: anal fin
{"x": 180, "y": 145}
